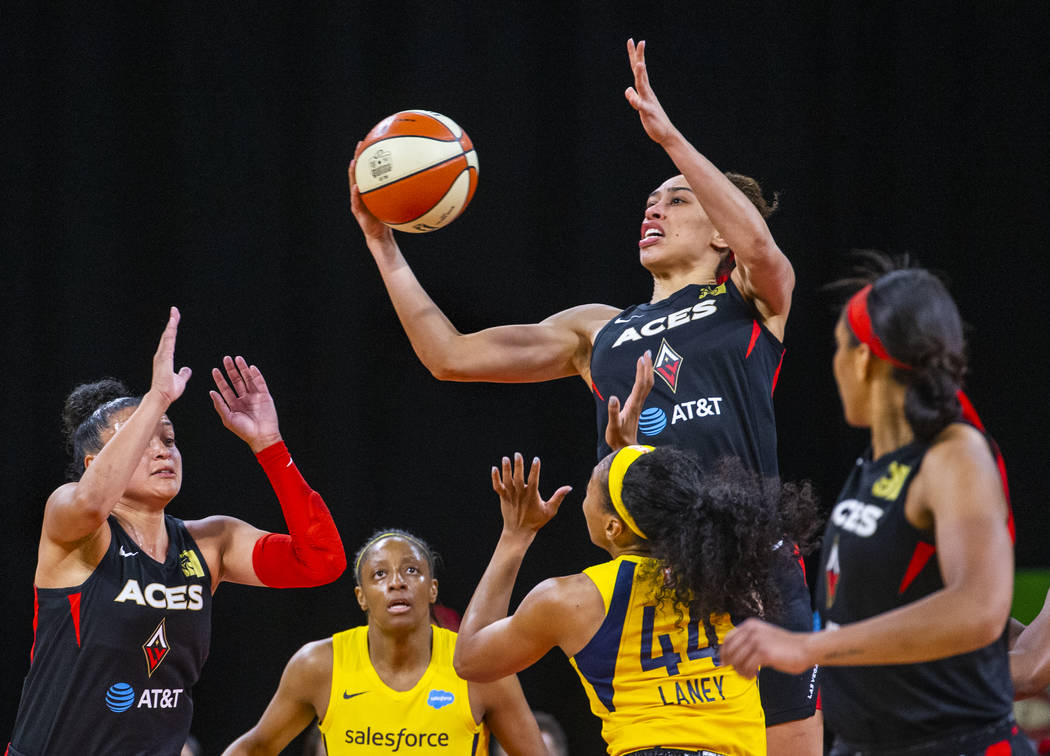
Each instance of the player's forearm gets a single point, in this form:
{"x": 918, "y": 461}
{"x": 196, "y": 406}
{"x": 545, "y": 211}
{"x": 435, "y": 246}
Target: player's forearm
{"x": 431, "y": 334}
{"x": 491, "y": 599}
{"x": 943, "y": 624}
{"x": 248, "y": 746}
{"x": 105, "y": 479}
{"x": 731, "y": 212}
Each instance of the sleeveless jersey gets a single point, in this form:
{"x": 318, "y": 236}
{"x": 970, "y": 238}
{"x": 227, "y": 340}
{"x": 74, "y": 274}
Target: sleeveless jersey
{"x": 716, "y": 367}
{"x": 873, "y": 561}
{"x": 656, "y": 681}
{"x": 365, "y": 715}
{"x": 114, "y": 658}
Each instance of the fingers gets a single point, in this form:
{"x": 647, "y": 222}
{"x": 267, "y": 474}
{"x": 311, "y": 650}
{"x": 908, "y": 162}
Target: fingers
{"x": 497, "y": 482}
{"x": 166, "y": 347}
{"x": 557, "y": 498}
{"x": 221, "y": 406}
{"x": 643, "y": 378}
{"x": 519, "y": 471}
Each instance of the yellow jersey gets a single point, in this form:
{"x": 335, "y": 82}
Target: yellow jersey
{"x": 366, "y": 716}
{"x": 655, "y": 677}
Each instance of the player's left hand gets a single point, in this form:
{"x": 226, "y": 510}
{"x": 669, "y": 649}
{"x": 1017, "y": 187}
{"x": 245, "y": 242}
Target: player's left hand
{"x": 642, "y": 98}
{"x": 622, "y": 428}
{"x": 754, "y": 644}
{"x": 244, "y": 403}
{"x": 524, "y": 510}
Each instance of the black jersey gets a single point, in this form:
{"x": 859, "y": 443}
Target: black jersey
{"x": 114, "y": 658}
{"x": 873, "y": 561}
{"x": 716, "y": 367}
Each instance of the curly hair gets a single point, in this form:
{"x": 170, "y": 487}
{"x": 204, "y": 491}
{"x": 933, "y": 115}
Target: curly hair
{"x": 719, "y": 535}
{"x": 919, "y": 324}
{"x": 87, "y": 413}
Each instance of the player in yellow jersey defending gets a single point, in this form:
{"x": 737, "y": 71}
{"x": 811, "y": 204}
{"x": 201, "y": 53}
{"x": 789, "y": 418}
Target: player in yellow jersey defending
{"x": 690, "y": 549}
{"x": 389, "y": 686}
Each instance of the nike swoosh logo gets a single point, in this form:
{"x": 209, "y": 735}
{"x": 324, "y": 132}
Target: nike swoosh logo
{"x": 127, "y": 553}
{"x": 627, "y": 320}
{"x": 353, "y": 695}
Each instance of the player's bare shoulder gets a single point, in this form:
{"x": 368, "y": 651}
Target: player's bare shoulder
{"x": 585, "y": 319}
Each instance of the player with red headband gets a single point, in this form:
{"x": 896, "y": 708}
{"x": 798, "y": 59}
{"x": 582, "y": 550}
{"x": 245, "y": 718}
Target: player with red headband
{"x": 714, "y": 325}
{"x": 917, "y": 561}
{"x": 124, "y": 590}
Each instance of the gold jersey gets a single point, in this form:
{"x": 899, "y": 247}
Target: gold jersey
{"x": 654, "y": 676}
{"x": 366, "y": 716}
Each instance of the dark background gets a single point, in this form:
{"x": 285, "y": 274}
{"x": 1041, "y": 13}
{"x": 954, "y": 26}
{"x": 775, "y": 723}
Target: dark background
{"x": 158, "y": 154}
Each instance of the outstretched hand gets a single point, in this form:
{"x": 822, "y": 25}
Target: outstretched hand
{"x": 524, "y": 510}
{"x": 166, "y": 382}
{"x": 371, "y": 226}
{"x": 622, "y": 428}
{"x": 244, "y": 403}
{"x": 642, "y": 98}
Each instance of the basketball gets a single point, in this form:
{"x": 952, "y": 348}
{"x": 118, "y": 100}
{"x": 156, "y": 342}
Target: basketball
{"x": 417, "y": 171}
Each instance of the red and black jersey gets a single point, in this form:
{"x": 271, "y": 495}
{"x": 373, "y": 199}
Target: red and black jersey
{"x": 114, "y": 659}
{"x": 716, "y": 366}
{"x": 873, "y": 561}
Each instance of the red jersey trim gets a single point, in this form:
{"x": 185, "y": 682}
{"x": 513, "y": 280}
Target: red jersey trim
{"x": 74, "y": 610}
{"x": 919, "y": 558}
{"x": 755, "y": 331}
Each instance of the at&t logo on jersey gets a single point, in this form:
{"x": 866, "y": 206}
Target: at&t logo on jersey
{"x": 161, "y": 596}
{"x": 666, "y": 322}
{"x": 857, "y": 517}
{"x": 653, "y": 420}
{"x": 120, "y": 697}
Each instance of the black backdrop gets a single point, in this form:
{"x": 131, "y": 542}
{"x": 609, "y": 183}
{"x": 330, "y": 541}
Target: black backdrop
{"x": 168, "y": 154}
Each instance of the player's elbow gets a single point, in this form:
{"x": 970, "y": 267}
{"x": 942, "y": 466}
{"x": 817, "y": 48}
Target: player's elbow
{"x": 469, "y": 666}
{"x": 988, "y": 619}
{"x": 1027, "y": 683}
{"x": 249, "y": 744}
{"x": 329, "y": 566}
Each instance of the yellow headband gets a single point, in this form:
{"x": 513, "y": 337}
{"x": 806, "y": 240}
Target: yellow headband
{"x": 387, "y": 534}
{"x": 620, "y": 463}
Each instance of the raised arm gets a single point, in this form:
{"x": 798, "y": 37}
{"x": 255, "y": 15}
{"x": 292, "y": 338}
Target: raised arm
{"x": 491, "y": 645}
{"x": 301, "y": 696}
{"x": 1030, "y": 655}
{"x": 557, "y": 347}
{"x": 763, "y": 273}
{"x": 77, "y": 510}
{"x": 960, "y": 487}
{"x": 311, "y": 553}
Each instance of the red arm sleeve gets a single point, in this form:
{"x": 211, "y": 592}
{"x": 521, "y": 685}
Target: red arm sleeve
{"x": 311, "y": 553}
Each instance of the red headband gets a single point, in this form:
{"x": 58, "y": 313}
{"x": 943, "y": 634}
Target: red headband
{"x": 860, "y": 323}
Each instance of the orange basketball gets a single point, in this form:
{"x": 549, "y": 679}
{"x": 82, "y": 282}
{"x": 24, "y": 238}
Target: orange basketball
{"x": 417, "y": 171}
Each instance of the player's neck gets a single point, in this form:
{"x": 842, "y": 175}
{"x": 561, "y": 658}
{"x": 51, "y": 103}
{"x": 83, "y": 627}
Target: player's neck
{"x": 146, "y": 528}
{"x": 400, "y": 657}
{"x": 890, "y": 429}
{"x": 666, "y": 284}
